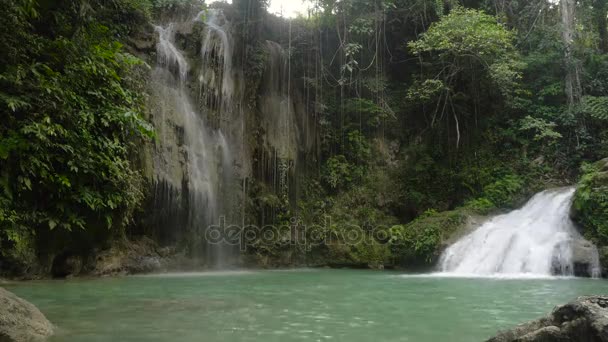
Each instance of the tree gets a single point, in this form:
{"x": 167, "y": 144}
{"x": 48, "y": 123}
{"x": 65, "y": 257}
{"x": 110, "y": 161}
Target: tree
{"x": 459, "y": 54}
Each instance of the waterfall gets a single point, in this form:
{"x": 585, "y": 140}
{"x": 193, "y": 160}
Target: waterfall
{"x": 217, "y": 79}
{"x": 536, "y": 240}
{"x": 193, "y": 159}
{"x": 218, "y": 131}
{"x": 279, "y": 111}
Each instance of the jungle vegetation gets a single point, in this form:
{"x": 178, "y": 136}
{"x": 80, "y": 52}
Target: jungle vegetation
{"x": 427, "y": 111}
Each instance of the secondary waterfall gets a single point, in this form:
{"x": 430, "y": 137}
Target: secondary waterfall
{"x": 535, "y": 240}
{"x": 222, "y": 130}
{"x": 194, "y": 158}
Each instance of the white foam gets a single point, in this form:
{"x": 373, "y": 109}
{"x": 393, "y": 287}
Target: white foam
{"x": 532, "y": 242}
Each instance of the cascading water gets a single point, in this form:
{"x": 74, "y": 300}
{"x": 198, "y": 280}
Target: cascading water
{"x": 193, "y": 160}
{"x": 215, "y": 132}
{"x": 536, "y": 240}
{"x": 279, "y": 111}
{"x": 218, "y": 83}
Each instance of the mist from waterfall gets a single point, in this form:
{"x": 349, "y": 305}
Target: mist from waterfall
{"x": 536, "y": 240}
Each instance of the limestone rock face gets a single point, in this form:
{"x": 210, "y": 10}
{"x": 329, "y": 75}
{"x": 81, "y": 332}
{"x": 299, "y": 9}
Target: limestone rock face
{"x": 21, "y": 321}
{"x": 584, "y": 319}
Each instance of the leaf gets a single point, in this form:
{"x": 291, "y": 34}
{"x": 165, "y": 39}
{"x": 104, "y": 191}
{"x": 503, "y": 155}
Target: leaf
{"x": 3, "y": 151}
{"x": 596, "y": 107}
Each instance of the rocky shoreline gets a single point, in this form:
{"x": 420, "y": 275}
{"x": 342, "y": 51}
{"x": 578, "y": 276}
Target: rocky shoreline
{"x": 582, "y": 320}
{"x": 145, "y": 256}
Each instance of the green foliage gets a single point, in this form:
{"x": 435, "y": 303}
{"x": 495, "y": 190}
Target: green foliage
{"x": 502, "y": 192}
{"x": 424, "y": 181}
{"x": 468, "y": 37}
{"x": 464, "y": 107}
{"x": 475, "y": 104}
{"x": 481, "y": 205}
{"x": 543, "y": 130}
{"x": 340, "y": 171}
{"x": 362, "y": 211}
{"x": 357, "y": 147}
{"x": 419, "y": 242}
{"x": 169, "y": 4}
{"x": 426, "y": 91}
{"x": 590, "y": 206}
{"x": 71, "y": 116}
{"x": 337, "y": 172}
{"x": 370, "y": 114}
{"x": 173, "y": 8}
{"x": 596, "y": 107}
{"x": 466, "y": 32}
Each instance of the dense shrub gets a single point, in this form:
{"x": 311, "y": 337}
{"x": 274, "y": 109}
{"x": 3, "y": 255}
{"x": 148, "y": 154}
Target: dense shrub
{"x": 71, "y": 114}
{"x": 590, "y": 206}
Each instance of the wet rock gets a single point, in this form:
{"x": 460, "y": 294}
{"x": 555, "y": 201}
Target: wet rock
{"x": 66, "y": 265}
{"x": 21, "y": 321}
{"x": 549, "y": 334}
{"x": 376, "y": 265}
{"x": 584, "y": 319}
{"x": 129, "y": 257}
{"x": 603, "y": 255}
{"x": 143, "y": 264}
{"x": 143, "y": 41}
{"x": 584, "y": 258}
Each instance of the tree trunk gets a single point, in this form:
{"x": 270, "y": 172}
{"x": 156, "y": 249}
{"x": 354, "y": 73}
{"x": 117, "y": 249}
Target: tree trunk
{"x": 600, "y": 11}
{"x": 573, "y": 82}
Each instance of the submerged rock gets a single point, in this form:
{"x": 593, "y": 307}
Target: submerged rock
{"x": 21, "y": 320}
{"x": 584, "y": 319}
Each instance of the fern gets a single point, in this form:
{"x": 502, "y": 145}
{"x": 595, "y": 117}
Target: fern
{"x": 596, "y": 107}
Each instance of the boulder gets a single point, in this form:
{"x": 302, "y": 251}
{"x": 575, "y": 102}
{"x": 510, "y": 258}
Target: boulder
{"x": 585, "y": 258}
{"x": 129, "y": 257}
{"x": 21, "y": 320}
{"x": 584, "y": 319}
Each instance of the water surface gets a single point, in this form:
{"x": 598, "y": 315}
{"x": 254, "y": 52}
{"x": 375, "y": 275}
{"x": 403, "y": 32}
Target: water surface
{"x": 303, "y": 305}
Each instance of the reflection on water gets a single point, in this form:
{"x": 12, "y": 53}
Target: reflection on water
{"x": 196, "y": 274}
{"x": 304, "y": 305}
